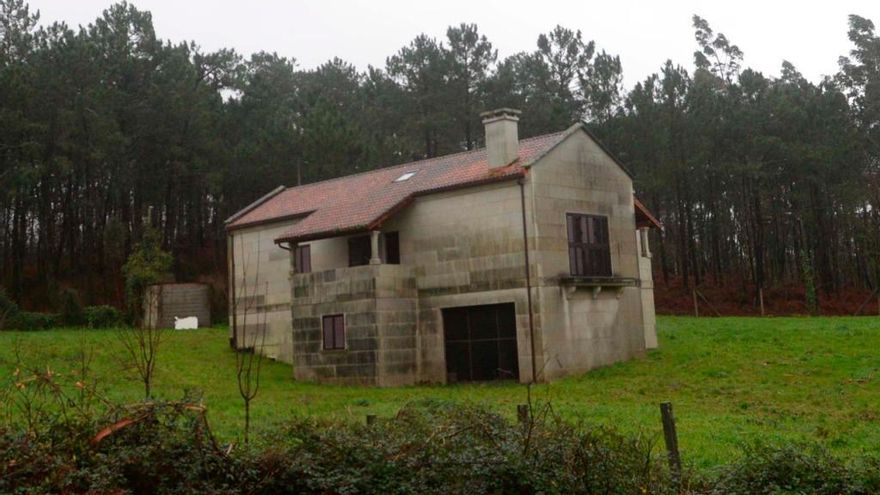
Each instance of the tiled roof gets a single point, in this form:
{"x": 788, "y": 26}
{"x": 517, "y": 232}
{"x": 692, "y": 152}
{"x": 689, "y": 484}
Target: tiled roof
{"x": 361, "y": 201}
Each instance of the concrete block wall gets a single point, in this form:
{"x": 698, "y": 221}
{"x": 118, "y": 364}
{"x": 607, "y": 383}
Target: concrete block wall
{"x": 163, "y": 302}
{"x": 466, "y": 249}
{"x": 581, "y": 332}
{"x": 261, "y": 290}
{"x": 379, "y": 306}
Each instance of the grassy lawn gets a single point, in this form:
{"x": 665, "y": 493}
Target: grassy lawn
{"x": 732, "y": 380}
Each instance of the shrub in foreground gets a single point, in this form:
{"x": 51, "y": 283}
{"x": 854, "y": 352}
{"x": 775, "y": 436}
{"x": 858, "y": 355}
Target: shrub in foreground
{"x": 456, "y": 449}
{"x": 168, "y": 448}
{"x": 432, "y": 448}
{"x": 796, "y": 469}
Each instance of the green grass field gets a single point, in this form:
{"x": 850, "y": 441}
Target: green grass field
{"x": 732, "y": 381}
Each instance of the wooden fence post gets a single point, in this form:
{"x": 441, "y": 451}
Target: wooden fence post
{"x": 522, "y": 413}
{"x": 671, "y": 437}
{"x": 696, "y": 306}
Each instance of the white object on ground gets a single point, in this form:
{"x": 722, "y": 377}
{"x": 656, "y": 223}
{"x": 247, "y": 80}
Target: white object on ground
{"x": 188, "y": 323}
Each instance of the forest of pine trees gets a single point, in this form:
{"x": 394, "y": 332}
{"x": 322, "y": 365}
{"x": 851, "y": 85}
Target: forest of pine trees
{"x": 761, "y": 181}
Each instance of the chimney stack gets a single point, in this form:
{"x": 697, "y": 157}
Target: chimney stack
{"x": 502, "y": 136}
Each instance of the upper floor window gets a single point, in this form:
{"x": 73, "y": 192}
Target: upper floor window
{"x": 359, "y": 250}
{"x": 392, "y": 247}
{"x": 589, "y": 250}
{"x": 302, "y": 259}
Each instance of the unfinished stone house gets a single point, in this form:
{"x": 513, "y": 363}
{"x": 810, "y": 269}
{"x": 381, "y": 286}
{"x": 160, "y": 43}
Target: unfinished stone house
{"x": 526, "y": 260}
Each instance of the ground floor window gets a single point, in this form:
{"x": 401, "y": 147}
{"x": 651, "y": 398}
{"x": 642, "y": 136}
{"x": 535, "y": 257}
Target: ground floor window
{"x": 334, "y": 332}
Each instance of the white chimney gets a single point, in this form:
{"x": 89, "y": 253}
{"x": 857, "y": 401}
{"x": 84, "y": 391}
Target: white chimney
{"x": 502, "y": 136}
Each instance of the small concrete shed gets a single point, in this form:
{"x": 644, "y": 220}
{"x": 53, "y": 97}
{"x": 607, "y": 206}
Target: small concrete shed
{"x": 164, "y": 302}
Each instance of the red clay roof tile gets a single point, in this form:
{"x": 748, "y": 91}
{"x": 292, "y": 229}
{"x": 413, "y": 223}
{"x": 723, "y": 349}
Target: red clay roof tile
{"x": 361, "y": 202}
{"x": 357, "y": 202}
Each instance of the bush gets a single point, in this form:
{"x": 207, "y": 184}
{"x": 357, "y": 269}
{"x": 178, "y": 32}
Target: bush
{"x": 167, "y": 448}
{"x": 13, "y": 318}
{"x": 70, "y": 310}
{"x": 455, "y": 449}
{"x": 148, "y": 264}
{"x": 8, "y": 310}
{"x": 102, "y": 316}
{"x": 27, "y": 321}
{"x": 430, "y": 448}
{"x": 796, "y": 469}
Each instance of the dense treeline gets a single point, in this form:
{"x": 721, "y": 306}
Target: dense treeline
{"x": 106, "y": 129}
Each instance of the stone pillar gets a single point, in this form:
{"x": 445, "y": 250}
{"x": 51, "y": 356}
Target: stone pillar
{"x": 643, "y": 237}
{"x": 375, "y": 259}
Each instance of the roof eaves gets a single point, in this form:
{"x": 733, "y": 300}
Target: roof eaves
{"x": 283, "y": 218}
{"x": 247, "y": 209}
{"x": 324, "y": 234}
{"x": 473, "y": 183}
{"x": 647, "y": 213}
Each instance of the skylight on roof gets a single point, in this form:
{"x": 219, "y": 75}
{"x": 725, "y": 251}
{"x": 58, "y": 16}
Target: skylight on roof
{"x": 405, "y": 177}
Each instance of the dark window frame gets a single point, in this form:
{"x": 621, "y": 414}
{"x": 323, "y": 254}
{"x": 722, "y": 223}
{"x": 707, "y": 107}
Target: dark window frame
{"x": 336, "y": 335}
{"x": 589, "y": 245}
{"x": 359, "y": 250}
{"x": 391, "y": 242}
{"x": 465, "y": 336}
{"x": 302, "y": 258}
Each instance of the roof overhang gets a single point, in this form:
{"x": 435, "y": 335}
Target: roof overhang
{"x": 644, "y": 218}
{"x": 247, "y": 209}
{"x": 257, "y": 223}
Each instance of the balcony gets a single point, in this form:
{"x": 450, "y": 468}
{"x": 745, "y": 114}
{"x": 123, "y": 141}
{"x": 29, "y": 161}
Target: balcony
{"x": 597, "y": 284}
{"x": 353, "y": 283}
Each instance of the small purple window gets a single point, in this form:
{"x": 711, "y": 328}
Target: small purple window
{"x": 334, "y": 332}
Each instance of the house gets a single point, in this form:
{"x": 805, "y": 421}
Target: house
{"x": 525, "y": 260}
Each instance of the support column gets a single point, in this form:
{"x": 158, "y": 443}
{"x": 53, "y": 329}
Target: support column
{"x": 643, "y": 238}
{"x": 375, "y": 259}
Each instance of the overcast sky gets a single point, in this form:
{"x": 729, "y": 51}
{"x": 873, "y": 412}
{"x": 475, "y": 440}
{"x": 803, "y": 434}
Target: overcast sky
{"x": 365, "y": 32}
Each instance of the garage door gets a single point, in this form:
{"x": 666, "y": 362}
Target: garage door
{"x": 481, "y": 343}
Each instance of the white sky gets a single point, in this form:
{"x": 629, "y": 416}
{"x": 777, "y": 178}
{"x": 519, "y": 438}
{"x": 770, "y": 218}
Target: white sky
{"x": 364, "y": 32}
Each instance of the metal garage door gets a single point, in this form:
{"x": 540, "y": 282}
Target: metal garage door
{"x": 481, "y": 343}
